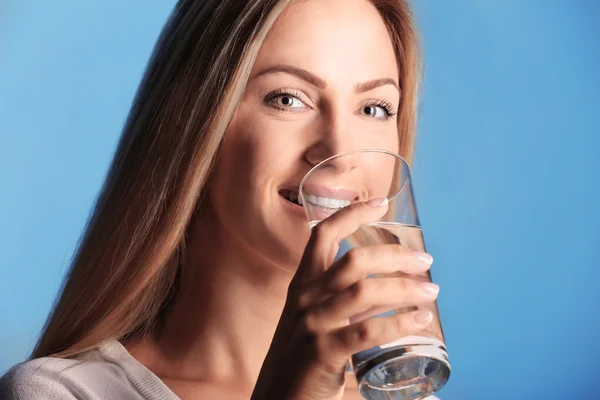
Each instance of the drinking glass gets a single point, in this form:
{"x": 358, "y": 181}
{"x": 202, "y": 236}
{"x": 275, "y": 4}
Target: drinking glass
{"x": 411, "y": 367}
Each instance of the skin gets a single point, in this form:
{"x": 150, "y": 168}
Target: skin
{"x": 247, "y": 242}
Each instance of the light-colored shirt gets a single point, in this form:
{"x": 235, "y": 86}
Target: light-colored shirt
{"x": 106, "y": 373}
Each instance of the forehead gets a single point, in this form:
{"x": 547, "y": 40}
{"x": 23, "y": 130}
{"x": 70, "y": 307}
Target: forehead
{"x": 336, "y": 39}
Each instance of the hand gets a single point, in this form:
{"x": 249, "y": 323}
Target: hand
{"x": 323, "y": 322}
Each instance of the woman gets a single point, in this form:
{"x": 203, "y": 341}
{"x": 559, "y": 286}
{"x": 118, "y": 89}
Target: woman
{"x": 197, "y": 276}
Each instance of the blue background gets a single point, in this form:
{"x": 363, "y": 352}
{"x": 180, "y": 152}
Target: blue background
{"x": 506, "y": 174}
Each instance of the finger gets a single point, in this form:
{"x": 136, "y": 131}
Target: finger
{"x": 368, "y": 295}
{"x": 372, "y": 332}
{"x": 325, "y": 238}
{"x": 361, "y": 262}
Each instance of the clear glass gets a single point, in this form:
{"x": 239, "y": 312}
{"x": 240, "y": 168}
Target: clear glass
{"x": 411, "y": 367}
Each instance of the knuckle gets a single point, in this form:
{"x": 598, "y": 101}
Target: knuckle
{"x": 347, "y": 340}
{"x": 355, "y": 256}
{"x": 365, "y": 331}
{"x": 310, "y": 322}
{"x": 403, "y": 286}
{"x": 399, "y": 250}
{"x": 303, "y": 301}
{"x": 398, "y": 324}
{"x": 357, "y": 290}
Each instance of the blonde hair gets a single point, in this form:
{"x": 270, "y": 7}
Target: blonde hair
{"x": 124, "y": 271}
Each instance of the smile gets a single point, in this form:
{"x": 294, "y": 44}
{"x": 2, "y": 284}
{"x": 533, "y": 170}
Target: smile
{"x": 326, "y": 202}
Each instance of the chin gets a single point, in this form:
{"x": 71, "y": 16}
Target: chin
{"x": 276, "y": 231}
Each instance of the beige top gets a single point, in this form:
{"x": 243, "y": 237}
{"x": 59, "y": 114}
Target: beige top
{"x": 108, "y": 372}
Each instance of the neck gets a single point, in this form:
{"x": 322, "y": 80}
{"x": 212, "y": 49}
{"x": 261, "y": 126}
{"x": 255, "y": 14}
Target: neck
{"x": 224, "y": 315}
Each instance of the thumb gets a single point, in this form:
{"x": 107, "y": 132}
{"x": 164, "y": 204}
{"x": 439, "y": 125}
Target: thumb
{"x": 326, "y": 236}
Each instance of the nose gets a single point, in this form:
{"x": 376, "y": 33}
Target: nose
{"x": 333, "y": 136}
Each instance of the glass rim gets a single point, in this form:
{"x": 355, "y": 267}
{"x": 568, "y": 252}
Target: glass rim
{"x": 348, "y": 153}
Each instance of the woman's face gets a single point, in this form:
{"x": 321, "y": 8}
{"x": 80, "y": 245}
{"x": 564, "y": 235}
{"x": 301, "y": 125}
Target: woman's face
{"x": 325, "y": 82}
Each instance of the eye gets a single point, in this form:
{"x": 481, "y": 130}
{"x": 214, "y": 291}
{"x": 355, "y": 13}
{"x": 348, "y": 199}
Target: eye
{"x": 374, "y": 111}
{"x": 286, "y": 100}
{"x": 380, "y": 110}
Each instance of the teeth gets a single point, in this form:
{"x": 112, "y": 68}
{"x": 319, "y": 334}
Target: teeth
{"x": 316, "y": 200}
{"x": 327, "y": 202}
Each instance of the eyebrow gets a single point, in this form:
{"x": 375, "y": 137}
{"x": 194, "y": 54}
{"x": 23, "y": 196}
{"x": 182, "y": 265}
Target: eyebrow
{"x": 298, "y": 72}
{"x": 375, "y": 83}
{"x": 321, "y": 83}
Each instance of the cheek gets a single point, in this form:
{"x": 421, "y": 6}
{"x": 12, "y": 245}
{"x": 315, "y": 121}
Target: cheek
{"x": 253, "y": 163}
{"x": 233, "y": 185}
{"x": 232, "y": 171}
{"x": 255, "y": 158}
{"x": 392, "y": 141}
{"x": 375, "y": 136}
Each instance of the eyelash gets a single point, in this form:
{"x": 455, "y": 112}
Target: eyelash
{"x": 385, "y": 105}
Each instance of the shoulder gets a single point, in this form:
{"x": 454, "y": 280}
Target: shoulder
{"x": 36, "y": 379}
{"x": 89, "y": 376}
{"x": 108, "y": 372}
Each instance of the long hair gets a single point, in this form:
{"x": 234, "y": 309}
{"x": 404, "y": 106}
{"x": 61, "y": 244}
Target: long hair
{"x": 124, "y": 271}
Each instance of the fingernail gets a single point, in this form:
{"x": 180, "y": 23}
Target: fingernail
{"x": 423, "y": 317}
{"x": 430, "y": 288}
{"x": 382, "y": 201}
{"x": 424, "y": 257}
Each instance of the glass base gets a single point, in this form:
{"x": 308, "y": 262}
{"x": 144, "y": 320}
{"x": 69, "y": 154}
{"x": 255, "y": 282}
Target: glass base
{"x": 402, "y": 373}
